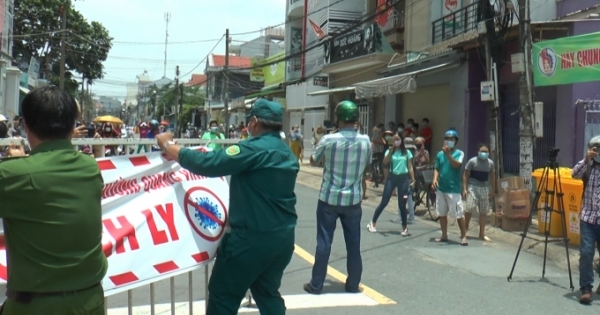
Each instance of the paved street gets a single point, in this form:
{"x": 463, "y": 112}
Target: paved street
{"x": 401, "y": 274}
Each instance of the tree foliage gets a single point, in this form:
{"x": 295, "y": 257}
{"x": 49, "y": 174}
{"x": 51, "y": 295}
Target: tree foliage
{"x": 87, "y": 46}
{"x": 166, "y": 97}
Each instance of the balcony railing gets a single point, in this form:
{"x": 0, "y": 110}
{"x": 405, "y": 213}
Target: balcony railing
{"x": 456, "y": 23}
{"x": 395, "y": 21}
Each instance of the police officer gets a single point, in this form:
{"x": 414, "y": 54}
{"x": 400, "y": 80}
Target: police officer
{"x": 262, "y": 211}
{"x": 51, "y": 207}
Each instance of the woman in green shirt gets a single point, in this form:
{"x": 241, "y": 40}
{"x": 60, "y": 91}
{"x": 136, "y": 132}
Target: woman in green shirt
{"x": 399, "y": 160}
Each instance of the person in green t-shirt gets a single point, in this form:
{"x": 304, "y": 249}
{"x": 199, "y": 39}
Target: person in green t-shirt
{"x": 448, "y": 182}
{"x": 213, "y": 134}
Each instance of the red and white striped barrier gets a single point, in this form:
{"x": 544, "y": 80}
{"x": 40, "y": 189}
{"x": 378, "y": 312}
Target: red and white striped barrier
{"x": 159, "y": 220}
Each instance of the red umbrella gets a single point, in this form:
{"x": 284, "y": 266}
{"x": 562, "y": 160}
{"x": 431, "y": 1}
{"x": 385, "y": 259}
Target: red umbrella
{"x": 165, "y": 123}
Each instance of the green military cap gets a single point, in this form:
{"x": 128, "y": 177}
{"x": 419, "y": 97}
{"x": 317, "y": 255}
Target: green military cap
{"x": 267, "y": 110}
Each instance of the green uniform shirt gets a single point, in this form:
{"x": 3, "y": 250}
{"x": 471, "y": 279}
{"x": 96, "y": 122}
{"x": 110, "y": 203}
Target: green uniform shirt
{"x": 450, "y": 180}
{"x": 263, "y": 173}
{"x": 51, "y": 206}
{"x": 212, "y": 136}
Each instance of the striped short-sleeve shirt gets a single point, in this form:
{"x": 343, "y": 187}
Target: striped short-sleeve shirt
{"x": 346, "y": 153}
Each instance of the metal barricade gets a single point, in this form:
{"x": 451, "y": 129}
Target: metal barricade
{"x": 135, "y": 143}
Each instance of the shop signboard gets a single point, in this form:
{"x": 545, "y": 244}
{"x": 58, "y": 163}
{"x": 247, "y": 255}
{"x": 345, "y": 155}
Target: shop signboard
{"x": 354, "y": 44}
{"x": 566, "y": 60}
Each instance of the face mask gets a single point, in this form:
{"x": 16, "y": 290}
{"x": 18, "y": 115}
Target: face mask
{"x": 409, "y": 126}
{"x": 483, "y": 155}
{"x": 107, "y": 129}
{"x": 419, "y": 146}
{"x": 597, "y": 159}
{"x": 400, "y": 129}
{"x": 388, "y": 139}
{"x": 424, "y": 123}
{"x": 214, "y": 129}
{"x": 450, "y": 144}
{"x": 397, "y": 143}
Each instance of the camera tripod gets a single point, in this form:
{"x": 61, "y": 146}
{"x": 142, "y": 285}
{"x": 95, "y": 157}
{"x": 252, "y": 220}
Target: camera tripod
{"x": 551, "y": 192}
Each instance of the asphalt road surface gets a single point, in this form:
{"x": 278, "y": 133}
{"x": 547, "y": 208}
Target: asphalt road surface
{"x": 402, "y": 275}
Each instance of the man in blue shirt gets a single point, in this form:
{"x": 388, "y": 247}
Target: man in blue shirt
{"x": 448, "y": 182}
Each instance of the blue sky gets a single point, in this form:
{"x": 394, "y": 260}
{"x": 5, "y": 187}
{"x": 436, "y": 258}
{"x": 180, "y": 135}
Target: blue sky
{"x": 138, "y": 29}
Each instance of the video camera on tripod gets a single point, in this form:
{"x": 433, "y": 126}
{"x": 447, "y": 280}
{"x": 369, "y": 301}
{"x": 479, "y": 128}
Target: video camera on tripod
{"x": 550, "y": 191}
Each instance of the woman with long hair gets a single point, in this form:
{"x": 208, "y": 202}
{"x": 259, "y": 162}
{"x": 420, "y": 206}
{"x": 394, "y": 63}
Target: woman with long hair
{"x": 400, "y": 177}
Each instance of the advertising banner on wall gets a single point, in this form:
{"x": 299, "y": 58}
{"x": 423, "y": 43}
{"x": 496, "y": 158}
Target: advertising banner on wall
{"x": 449, "y": 7}
{"x": 275, "y": 73}
{"x": 354, "y": 44}
{"x": 159, "y": 220}
{"x": 566, "y": 60}
{"x": 296, "y": 47}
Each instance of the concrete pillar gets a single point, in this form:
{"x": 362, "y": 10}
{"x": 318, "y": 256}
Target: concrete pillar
{"x": 13, "y": 79}
{"x": 390, "y": 108}
{"x": 3, "y": 64}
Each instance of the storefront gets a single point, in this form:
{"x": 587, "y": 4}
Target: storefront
{"x": 306, "y": 111}
{"x": 430, "y": 88}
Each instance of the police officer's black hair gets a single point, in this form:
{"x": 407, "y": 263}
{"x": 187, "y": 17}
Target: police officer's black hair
{"x": 50, "y": 113}
{"x": 213, "y": 122}
{"x": 270, "y": 125}
{"x": 3, "y": 130}
{"x": 481, "y": 145}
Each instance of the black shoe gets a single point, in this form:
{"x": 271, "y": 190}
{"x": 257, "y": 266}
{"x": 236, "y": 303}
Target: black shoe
{"x": 586, "y": 296}
{"x": 309, "y": 289}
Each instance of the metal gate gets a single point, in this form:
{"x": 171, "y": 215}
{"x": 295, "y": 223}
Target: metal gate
{"x": 363, "y": 118}
{"x": 592, "y": 121}
{"x": 509, "y": 108}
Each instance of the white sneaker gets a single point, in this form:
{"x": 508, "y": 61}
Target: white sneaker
{"x": 405, "y": 232}
{"x": 371, "y": 228}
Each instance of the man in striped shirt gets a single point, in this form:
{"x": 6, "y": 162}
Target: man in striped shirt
{"x": 346, "y": 153}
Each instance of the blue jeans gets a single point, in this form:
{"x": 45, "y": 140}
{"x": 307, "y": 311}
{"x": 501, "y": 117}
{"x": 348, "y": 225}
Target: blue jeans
{"x": 327, "y": 216}
{"x": 392, "y": 182}
{"x": 590, "y": 234}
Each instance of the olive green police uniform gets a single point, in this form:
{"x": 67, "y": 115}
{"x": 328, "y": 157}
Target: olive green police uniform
{"x": 53, "y": 231}
{"x": 262, "y": 216}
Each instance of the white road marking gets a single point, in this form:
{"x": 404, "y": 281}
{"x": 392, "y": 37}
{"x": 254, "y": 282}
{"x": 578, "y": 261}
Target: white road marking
{"x": 301, "y": 301}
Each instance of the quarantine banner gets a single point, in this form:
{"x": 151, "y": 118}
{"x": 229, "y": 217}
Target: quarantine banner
{"x": 159, "y": 220}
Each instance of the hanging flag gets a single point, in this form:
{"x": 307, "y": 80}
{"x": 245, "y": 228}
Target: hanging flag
{"x": 317, "y": 29}
{"x": 384, "y": 10}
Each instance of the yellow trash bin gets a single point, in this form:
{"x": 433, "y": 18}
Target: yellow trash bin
{"x": 552, "y": 218}
{"x": 573, "y": 190}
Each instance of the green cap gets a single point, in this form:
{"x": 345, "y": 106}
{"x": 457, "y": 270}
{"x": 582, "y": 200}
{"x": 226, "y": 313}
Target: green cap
{"x": 346, "y": 111}
{"x": 267, "y": 110}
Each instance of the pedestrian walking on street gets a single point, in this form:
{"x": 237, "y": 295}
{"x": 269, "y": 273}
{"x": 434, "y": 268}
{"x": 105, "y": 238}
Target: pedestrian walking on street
{"x": 479, "y": 173}
{"x": 52, "y": 212}
{"x": 588, "y": 170}
{"x": 346, "y": 154}
{"x": 262, "y": 213}
{"x": 401, "y": 177}
{"x": 447, "y": 180}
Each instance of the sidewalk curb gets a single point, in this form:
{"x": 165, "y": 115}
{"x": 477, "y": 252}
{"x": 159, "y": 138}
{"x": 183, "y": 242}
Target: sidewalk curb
{"x": 532, "y": 243}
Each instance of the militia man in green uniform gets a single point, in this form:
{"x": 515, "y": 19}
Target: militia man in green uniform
{"x": 51, "y": 207}
{"x": 262, "y": 212}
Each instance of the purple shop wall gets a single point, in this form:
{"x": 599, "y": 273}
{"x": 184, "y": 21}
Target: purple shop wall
{"x": 568, "y": 116}
{"x": 569, "y": 6}
{"x": 477, "y": 122}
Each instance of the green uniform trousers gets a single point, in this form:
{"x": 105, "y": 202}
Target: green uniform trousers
{"x": 250, "y": 259}
{"x": 87, "y": 302}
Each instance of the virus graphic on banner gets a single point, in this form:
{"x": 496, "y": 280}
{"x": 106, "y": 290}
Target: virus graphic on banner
{"x": 206, "y": 220}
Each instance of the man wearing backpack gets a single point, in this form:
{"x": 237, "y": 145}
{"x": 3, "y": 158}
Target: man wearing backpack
{"x": 588, "y": 170}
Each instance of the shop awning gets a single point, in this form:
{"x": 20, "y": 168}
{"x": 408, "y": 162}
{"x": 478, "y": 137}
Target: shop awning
{"x": 24, "y": 90}
{"x": 402, "y": 83}
{"x": 332, "y": 91}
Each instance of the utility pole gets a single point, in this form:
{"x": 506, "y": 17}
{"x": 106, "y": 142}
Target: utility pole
{"x": 226, "y": 77}
{"x": 491, "y": 71}
{"x": 180, "y": 118}
{"x": 63, "y": 44}
{"x": 526, "y": 96}
{"x": 167, "y": 19}
{"x": 176, "y": 100}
